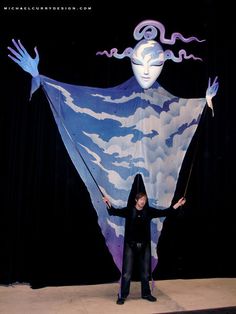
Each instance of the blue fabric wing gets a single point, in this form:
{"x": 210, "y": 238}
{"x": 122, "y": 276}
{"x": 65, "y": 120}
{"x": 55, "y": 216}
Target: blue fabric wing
{"x": 113, "y": 134}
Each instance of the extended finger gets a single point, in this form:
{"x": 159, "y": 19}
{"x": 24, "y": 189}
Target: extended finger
{"x": 17, "y": 46}
{"x": 14, "y": 53}
{"x": 14, "y": 59}
{"x": 22, "y": 47}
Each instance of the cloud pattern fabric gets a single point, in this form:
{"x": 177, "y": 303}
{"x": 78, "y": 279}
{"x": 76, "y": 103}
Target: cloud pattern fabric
{"x": 113, "y": 134}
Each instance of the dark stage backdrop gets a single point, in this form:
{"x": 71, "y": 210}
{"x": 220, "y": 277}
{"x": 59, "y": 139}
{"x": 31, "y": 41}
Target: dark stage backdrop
{"x": 48, "y": 227}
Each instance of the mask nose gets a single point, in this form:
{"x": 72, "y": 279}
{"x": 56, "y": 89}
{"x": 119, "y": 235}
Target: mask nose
{"x": 146, "y": 69}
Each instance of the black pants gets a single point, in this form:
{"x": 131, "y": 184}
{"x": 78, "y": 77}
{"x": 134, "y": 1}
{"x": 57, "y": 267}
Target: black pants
{"x": 143, "y": 253}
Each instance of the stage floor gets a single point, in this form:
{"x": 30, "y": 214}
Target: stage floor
{"x": 172, "y": 296}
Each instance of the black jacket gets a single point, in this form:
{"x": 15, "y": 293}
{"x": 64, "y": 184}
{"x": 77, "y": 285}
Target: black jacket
{"x": 137, "y": 224}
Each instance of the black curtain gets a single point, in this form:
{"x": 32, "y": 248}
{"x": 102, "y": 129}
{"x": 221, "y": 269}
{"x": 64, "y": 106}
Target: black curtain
{"x": 48, "y": 227}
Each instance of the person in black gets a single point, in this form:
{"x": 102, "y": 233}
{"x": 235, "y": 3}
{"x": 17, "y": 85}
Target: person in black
{"x": 137, "y": 241}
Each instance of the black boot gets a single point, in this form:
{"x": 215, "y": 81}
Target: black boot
{"x": 120, "y": 300}
{"x": 149, "y": 297}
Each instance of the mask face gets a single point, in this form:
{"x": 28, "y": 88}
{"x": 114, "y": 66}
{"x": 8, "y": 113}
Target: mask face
{"x": 147, "y": 62}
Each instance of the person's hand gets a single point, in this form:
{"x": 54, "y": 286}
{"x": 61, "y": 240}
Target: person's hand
{"x": 106, "y": 201}
{"x": 180, "y": 202}
{"x": 211, "y": 92}
{"x": 23, "y": 59}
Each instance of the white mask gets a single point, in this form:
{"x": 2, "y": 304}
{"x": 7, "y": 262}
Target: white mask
{"x": 147, "y": 62}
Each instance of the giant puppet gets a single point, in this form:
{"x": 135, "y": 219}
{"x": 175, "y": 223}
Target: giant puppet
{"x": 136, "y": 128}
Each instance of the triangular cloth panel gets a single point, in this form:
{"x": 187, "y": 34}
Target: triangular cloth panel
{"x": 113, "y": 134}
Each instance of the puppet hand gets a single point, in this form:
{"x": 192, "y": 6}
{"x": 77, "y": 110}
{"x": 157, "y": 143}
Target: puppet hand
{"x": 23, "y": 59}
{"x": 211, "y": 92}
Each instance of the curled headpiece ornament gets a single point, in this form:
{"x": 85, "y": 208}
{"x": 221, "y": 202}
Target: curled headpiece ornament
{"x": 148, "y": 30}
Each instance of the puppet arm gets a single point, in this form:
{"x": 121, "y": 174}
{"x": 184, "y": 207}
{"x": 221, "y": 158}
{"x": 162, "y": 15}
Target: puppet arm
{"x": 20, "y": 56}
{"x": 211, "y": 92}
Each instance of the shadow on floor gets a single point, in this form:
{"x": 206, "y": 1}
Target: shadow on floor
{"x": 220, "y": 310}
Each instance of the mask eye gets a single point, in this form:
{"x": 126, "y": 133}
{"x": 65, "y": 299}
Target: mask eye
{"x": 136, "y": 62}
{"x": 157, "y": 64}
